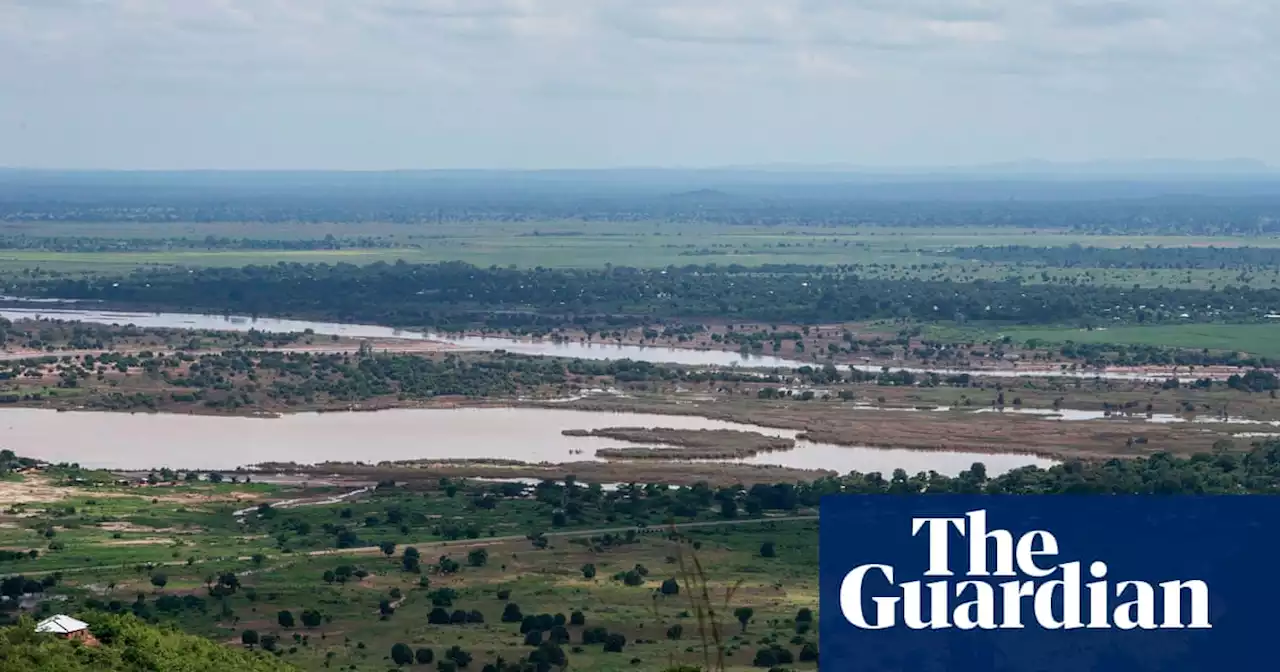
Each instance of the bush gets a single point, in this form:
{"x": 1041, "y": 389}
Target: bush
{"x": 577, "y": 618}
{"x": 511, "y": 613}
{"x": 438, "y": 616}
{"x": 424, "y": 656}
{"x": 401, "y": 654}
{"x": 594, "y": 635}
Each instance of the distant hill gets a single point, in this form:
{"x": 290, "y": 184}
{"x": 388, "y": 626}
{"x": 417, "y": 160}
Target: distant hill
{"x": 702, "y": 195}
{"x": 1039, "y": 169}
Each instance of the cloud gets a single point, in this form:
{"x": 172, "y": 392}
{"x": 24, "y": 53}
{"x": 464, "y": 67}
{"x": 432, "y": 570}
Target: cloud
{"x": 643, "y": 59}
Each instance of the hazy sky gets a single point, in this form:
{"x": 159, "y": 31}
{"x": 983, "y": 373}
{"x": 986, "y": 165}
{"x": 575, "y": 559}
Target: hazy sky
{"x": 364, "y": 84}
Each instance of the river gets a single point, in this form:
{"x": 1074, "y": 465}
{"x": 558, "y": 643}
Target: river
{"x": 154, "y": 440}
{"x": 571, "y": 349}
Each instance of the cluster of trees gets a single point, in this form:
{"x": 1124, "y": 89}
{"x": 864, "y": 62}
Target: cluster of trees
{"x": 1073, "y": 256}
{"x": 10, "y": 462}
{"x": 210, "y": 243}
{"x": 126, "y": 644}
{"x": 403, "y": 294}
{"x": 1110, "y": 354}
{"x": 52, "y": 335}
{"x": 730, "y": 197}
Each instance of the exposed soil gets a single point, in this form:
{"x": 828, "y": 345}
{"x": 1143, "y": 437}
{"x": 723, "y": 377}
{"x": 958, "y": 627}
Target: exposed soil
{"x": 945, "y": 431}
{"x": 674, "y": 473}
{"x": 689, "y": 444}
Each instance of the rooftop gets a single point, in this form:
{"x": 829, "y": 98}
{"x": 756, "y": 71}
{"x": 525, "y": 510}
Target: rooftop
{"x": 61, "y": 624}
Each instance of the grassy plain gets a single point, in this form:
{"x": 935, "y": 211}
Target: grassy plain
{"x": 877, "y": 251}
{"x": 1257, "y": 339}
{"x": 111, "y": 542}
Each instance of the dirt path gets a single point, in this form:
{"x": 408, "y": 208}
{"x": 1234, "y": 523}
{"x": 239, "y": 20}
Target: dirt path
{"x": 466, "y": 543}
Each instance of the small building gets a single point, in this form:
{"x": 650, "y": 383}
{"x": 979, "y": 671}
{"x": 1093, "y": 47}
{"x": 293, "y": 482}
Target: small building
{"x": 67, "y": 628}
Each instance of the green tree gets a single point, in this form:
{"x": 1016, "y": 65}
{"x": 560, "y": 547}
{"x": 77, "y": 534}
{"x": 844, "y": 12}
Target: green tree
{"x": 311, "y": 618}
{"x": 285, "y": 618}
{"x": 401, "y": 654}
{"x": 744, "y": 614}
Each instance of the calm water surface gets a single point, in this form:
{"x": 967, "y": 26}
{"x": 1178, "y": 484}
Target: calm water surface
{"x": 144, "y": 440}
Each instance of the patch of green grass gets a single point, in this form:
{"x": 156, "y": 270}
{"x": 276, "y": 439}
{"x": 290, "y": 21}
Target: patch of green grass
{"x": 880, "y": 251}
{"x": 1257, "y": 339}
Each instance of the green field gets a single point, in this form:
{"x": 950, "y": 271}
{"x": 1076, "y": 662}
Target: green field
{"x": 876, "y": 251}
{"x": 109, "y": 547}
{"x": 1257, "y": 339}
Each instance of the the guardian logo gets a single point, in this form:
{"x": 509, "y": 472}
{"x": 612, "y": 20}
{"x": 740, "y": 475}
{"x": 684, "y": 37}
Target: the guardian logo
{"x": 1041, "y": 591}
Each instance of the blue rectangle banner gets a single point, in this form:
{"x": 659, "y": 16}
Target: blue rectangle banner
{"x": 1049, "y": 583}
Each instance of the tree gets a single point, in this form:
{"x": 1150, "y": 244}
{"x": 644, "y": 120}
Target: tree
{"x": 311, "y": 617}
{"x": 478, "y": 557}
{"x": 613, "y": 642}
{"x": 401, "y": 654}
{"x": 577, "y": 618}
{"x": 424, "y": 656}
{"x": 438, "y": 616}
{"x": 388, "y": 548}
{"x": 385, "y": 608}
{"x": 588, "y": 571}
{"x": 670, "y": 587}
{"x": 511, "y": 613}
{"x": 329, "y": 576}
{"x": 728, "y": 508}
{"x": 249, "y": 638}
{"x": 767, "y": 550}
{"x": 533, "y": 638}
{"x": 744, "y": 614}
{"x": 159, "y": 580}
{"x": 674, "y": 632}
{"x": 411, "y": 560}
{"x": 285, "y": 618}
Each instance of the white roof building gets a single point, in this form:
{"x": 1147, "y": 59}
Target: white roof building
{"x": 61, "y": 625}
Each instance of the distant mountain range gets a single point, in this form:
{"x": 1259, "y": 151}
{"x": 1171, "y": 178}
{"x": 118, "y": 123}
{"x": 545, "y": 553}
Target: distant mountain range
{"x": 1031, "y": 168}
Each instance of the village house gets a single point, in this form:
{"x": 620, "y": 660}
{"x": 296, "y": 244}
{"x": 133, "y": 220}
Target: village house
{"x": 67, "y": 628}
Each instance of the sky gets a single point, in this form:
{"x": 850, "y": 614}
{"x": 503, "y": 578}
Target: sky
{"x": 396, "y": 84}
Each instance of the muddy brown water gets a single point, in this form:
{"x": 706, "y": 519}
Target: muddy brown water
{"x": 154, "y": 440}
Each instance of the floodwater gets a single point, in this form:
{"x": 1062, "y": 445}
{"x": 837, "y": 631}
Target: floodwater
{"x": 146, "y": 441}
{"x": 574, "y": 349}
